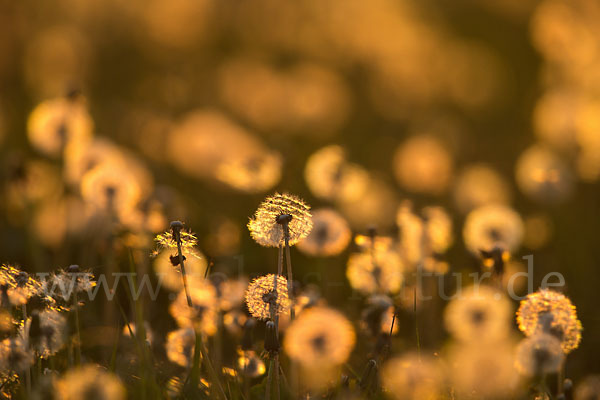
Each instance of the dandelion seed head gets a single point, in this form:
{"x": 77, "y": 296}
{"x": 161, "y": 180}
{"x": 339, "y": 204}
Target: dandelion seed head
{"x": 543, "y": 175}
{"x": 319, "y": 337}
{"x": 412, "y": 377}
{"x": 378, "y": 271}
{"x": 46, "y": 334}
{"x": 62, "y": 284}
{"x": 231, "y": 293}
{"x": 478, "y": 314}
{"x": 550, "y": 312}
{"x": 15, "y": 354}
{"x": 180, "y": 346}
{"x": 423, "y": 237}
{"x": 265, "y": 229}
{"x": 170, "y": 275}
{"x": 483, "y": 371}
{"x": 202, "y": 316}
{"x": 538, "y": 355}
{"x": 19, "y": 285}
{"x": 479, "y": 185}
{"x": 89, "y": 381}
{"x": 251, "y": 174}
{"x": 423, "y": 165}
{"x": 493, "y": 226}
{"x": 111, "y": 188}
{"x": 167, "y": 240}
{"x": 249, "y": 364}
{"x": 55, "y": 123}
{"x": 330, "y": 176}
{"x": 329, "y": 236}
{"x": 260, "y": 297}
{"x": 588, "y": 388}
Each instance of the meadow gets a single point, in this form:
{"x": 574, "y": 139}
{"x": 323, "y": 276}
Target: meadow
{"x": 340, "y": 199}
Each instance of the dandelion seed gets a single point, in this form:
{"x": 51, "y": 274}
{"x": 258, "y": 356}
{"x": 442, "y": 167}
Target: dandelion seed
{"x": 180, "y": 346}
{"x": 378, "y": 271}
{"x": 330, "y": 234}
{"x": 493, "y": 226}
{"x": 550, "y": 312}
{"x": 250, "y": 364}
{"x": 89, "y": 381}
{"x": 412, "y": 377}
{"x": 262, "y": 299}
{"x": 202, "y": 315}
{"x": 319, "y": 338}
{"x": 267, "y": 231}
{"x": 538, "y": 355}
{"x": 479, "y": 314}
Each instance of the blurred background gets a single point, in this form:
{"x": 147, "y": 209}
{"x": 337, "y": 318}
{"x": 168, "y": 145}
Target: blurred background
{"x": 202, "y": 108}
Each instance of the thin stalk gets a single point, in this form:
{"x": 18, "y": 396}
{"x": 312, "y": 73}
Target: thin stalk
{"x": 28, "y": 372}
{"x": 181, "y": 264}
{"x": 290, "y": 276}
{"x": 417, "y": 323}
{"x": 269, "y": 380}
{"x": 211, "y": 370}
{"x": 560, "y": 379}
{"x": 277, "y": 389}
{"x": 77, "y": 328}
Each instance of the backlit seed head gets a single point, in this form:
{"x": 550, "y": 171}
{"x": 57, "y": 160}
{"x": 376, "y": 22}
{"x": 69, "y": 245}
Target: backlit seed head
{"x": 15, "y": 354}
{"x": 550, "y": 312}
{"x": 267, "y": 227}
{"x": 250, "y": 364}
{"x": 87, "y": 381}
{"x": 478, "y": 314}
{"x": 261, "y": 299}
{"x": 180, "y": 346}
{"x": 375, "y": 271}
{"x": 330, "y": 234}
{"x": 18, "y": 285}
{"x": 320, "y": 337}
{"x": 46, "y": 332}
{"x": 167, "y": 240}
{"x": 55, "y": 123}
{"x": 412, "y": 377}
{"x": 493, "y": 226}
{"x": 588, "y": 388}
{"x": 202, "y": 316}
{"x": 538, "y": 355}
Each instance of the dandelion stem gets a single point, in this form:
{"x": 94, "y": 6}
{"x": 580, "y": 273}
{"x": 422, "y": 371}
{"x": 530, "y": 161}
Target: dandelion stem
{"x": 417, "y": 322}
{"x": 290, "y": 276}
{"x": 177, "y": 236}
{"x": 77, "y": 328}
{"x": 269, "y": 380}
{"x": 277, "y": 390}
